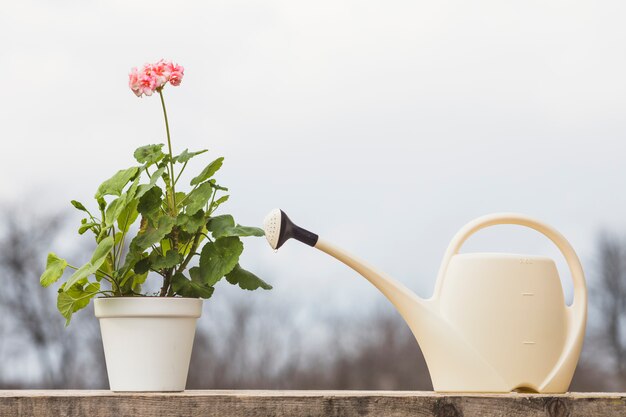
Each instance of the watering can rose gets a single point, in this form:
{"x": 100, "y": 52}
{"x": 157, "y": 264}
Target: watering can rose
{"x": 180, "y": 236}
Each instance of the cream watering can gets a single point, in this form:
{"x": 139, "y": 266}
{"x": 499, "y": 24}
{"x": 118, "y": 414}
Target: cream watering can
{"x": 496, "y": 322}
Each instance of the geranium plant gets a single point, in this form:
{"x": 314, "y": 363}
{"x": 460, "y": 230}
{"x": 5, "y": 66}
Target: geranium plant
{"x": 176, "y": 227}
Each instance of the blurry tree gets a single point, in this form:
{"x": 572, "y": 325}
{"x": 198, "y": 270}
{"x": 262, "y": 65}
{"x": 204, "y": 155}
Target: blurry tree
{"x": 254, "y": 346}
{"x": 37, "y": 349}
{"x": 237, "y": 346}
{"x": 607, "y": 324}
{"x": 388, "y": 358}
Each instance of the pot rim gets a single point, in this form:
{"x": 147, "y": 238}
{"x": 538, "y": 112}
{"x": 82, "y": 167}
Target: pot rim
{"x": 122, "y": 307}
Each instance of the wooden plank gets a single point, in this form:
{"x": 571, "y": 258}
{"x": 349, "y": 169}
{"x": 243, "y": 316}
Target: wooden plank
{"x": 306, "y": 403}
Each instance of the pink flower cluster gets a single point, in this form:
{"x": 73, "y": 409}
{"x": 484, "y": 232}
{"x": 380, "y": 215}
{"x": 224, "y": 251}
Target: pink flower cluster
{"x": 152, "y": 77}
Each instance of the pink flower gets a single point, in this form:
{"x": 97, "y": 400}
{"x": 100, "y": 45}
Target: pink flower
{"x": 147, "y": 83}
{"x": 161, "y": 71}
{"x": 176, "y": 75}
{"x": 133, "y": 81}
{"x": 153, "y": 77}
{"x": 142, "y": 81}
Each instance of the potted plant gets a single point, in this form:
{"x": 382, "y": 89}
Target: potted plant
{"x": 180, "y": 239}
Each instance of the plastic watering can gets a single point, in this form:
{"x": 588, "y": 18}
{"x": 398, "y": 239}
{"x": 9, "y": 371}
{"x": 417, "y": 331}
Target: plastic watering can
{"x": 497, "y": 322}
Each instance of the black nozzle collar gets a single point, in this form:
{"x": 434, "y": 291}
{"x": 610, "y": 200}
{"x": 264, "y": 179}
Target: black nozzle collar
{"x": 290, "y": 230}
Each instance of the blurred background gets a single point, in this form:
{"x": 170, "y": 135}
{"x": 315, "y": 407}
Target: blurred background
{"x": 382, "y": 126}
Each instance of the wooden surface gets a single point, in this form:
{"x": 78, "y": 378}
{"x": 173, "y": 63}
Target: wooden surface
{"x": 306, "y": 403}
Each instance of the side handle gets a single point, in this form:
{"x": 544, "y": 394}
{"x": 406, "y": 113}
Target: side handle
{"x": 578, "y": 309}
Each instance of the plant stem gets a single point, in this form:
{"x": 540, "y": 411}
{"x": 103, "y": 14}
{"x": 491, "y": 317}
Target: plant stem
{"x": 194, "y": 246}
{"x": 166, "y": 283}
{"x": 158, "y": 272}
{"x": 180, "y": 173}
{"x": 173, "y": 208}
{"x": 169, "y": 147}
{"x": 114, "y": 248}
{"x": 157, "y": 250}
{"x": 170, "y": 292}
{"x": 121, "y": 247}
{"x": 125, "y": 228}
{"x": 210, "y": 208}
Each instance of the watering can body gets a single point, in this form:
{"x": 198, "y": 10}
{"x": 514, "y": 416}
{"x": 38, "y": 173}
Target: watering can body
{"x": 496, "y": 322}
{"x": 509, "y": 325}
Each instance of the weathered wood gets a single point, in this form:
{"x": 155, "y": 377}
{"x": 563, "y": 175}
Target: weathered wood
{"x": 306, "y": 403}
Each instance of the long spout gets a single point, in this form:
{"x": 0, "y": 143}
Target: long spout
{"x": 405, "y": 301}
{"x": 279, "y": 228}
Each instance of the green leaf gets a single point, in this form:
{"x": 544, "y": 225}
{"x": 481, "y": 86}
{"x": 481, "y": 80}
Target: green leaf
{"x": 195, "y": 274}
{"x": 128, "y": 215}
{"x": 246, "y": 279}
{"x": 55, "y": 267}
{"x": 81, "y": 273}
{"x": 166, "y": 244}
{"x": 198, "y": 198}
{"x": 79, "y": 206}
{"x": 114, "y": 209}
{"x": 143, "y": 188}
{"x": 179, "y": 282}
{"x": 219, "y": 258}
{"x": 115, "y": 184}
{"x": 186, "y": 155}
{"x": 199, "y": 290}
{"x": 219, "y": 201}
{"x": 215, "y": 185}
{"x": 102, "y": 250}
{"x": 240, "y": 231}
{"x": 150, "y": 201}
{"x": 118, "y": 238}
{"x": 133, "y": 283}
{"x": 149, "y": 154}
{"x": 139, "y": 279}
{"x": 170, "y": 260}
{"x": 74, "y": 298}
{"x": 152, "y": 235}
{"x": 86, "y": 226}
{"x": 186, "y": 288}
{"x": 98, "y": 257}
{"x": 218, "y": 223}
{"x": 208, "y": 171}
{"x": 180, "y": 198}
{"x": 105, "y": 269}
{"x": 132, "y": 257}
{"x": 142, "y": 266}
{"x": 191, "y": 224}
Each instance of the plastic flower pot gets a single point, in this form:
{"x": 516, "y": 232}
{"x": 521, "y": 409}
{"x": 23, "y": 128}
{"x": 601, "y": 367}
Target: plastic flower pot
{"x": 147, "y": 341}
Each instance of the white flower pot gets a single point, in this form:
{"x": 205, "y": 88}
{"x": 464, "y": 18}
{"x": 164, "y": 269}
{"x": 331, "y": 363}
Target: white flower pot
{"x": 147, "y": 341}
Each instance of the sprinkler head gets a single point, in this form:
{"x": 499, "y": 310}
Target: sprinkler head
{"x": 279, "y": 228}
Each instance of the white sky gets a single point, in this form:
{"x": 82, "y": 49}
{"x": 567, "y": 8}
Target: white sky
{"x": 382, "y": 125}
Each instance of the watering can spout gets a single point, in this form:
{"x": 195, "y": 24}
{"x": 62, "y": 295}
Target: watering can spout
{"x": 420, "y": 314}
{"x": 408, "y": 304}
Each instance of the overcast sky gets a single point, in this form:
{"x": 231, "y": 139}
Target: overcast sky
{"x": 384, "y": 126}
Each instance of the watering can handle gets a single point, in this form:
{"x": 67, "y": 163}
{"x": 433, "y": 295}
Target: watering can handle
{"x": 578, "y": 277}
{"x": 577, "y": 312}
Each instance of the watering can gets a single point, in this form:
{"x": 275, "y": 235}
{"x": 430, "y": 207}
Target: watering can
{"x": 497, "y": 322}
